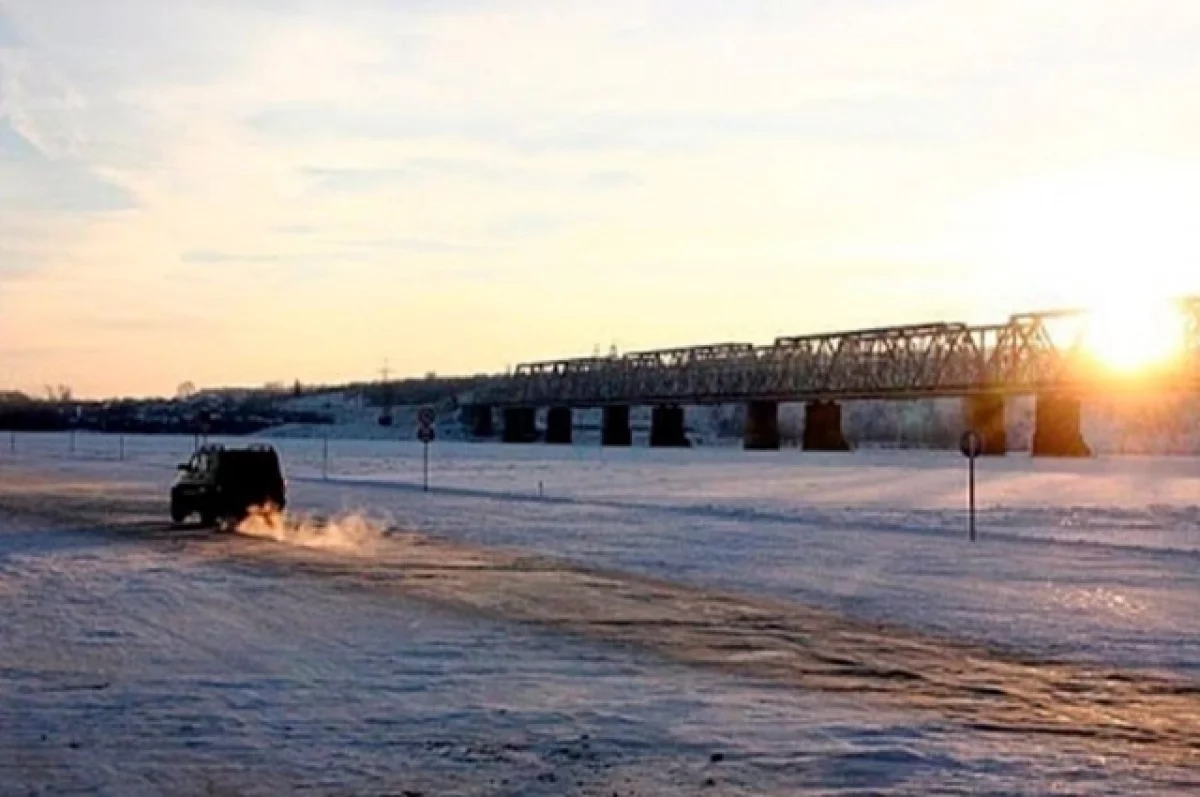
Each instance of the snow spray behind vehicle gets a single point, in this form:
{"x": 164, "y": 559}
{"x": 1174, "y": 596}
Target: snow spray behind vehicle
{"x": 352, "y": 532}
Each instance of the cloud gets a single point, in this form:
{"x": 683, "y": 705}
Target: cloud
{"x": 296, "y": 229}
{"x": 307, "y": 121}
{"x": 42, "y": 168}
{"x": 30, "y": 182}
{"x": 415, "y": 170}
{"x": 8, "y": 32}
{"x": 208, "y": 256}
{"x": 423, "y": 245}
{"x": 519, "y": 173}
{"x": 342, "y": 251}
{"x": 354, "y": 180}
{"x": 13, "y": 145}
{"x": 531, "y": 225}
{"x": 40, "y": 354}
{"x": 880, "y": 120}
{"x": 58, "y": 188}
{"x": 14, "y": 262}
{"x": 406, "y": 170}
{"x": 38, "y": 104}
{"x": 611, "y": 179}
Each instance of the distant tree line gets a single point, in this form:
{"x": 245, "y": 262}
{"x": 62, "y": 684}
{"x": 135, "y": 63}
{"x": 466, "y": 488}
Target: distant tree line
{"x": 430, "y": 390}
{"x": 226, "y": 416}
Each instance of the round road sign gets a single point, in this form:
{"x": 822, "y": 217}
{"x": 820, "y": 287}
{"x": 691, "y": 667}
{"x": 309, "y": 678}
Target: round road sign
{"x": 971, "y": 444}
{"x": 426, "y": 434}
{"x": 426, "y": 416}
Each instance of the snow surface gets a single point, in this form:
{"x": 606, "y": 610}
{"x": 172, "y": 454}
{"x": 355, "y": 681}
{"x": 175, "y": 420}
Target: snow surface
{"x": 1093, "y": 559}
{"x": 206, "y": 673}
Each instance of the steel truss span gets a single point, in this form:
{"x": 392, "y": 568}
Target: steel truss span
{"x": 1031, "y": 353}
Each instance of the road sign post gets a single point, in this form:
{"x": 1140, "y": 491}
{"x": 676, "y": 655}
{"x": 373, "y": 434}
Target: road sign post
{"x": 426, "y": 433}
{"x": 971, "y": 446}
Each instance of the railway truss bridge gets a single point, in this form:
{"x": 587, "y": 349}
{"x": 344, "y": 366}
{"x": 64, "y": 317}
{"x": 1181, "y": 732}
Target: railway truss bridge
{"x": 1045, "y": 354}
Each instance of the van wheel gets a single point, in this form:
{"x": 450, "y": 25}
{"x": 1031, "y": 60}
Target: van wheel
{"x": 179, "y": 513}
{"x": 208, "y": 518}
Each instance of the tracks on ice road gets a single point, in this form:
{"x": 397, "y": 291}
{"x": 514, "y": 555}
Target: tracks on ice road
{"x": 1091, "y": 710}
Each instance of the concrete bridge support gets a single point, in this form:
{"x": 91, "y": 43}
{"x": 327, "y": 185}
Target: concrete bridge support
{"x": 1057, "y": 429}
{"x": 667, "y": 428}
{"x": 823, "y": 427}
{"x": 479, "y": 416}
{"x": 559, "y": 426}
{"x": 984, "y": 413}
{"x": 520, "y": 424}
{"x": 762, "y": 426}
{"x": 616, "y": 431}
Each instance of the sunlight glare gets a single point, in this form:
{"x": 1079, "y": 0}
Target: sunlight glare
{"x": 1134, "y": 335}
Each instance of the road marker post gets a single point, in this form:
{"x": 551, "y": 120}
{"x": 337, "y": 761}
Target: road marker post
{"x": 426, "y": 433}
{"x": 325, "y": 457}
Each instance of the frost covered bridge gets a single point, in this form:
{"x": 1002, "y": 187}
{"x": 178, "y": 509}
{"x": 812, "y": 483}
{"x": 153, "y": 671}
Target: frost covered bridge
{"x": 1058, "y": 356}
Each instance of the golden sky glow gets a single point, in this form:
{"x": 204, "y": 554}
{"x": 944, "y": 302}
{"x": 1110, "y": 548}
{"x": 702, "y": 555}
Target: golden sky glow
{"x": 232, "y": 193}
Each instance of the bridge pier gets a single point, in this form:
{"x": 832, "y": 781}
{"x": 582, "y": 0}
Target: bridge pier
{"x": 823, "y": 427}
{"x": 559, "y": 426}
{"x": 1057, "y": 429}
{"x": 762, "y": 426}
{"x": 480, "y": 418}
{"x": 984, "y": 412}
{"x": 667, "y": 428}
{"x": 520, "y": 424}
{"x": 615, "y": 430}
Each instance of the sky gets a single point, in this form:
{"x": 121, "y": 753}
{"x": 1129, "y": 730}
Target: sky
{"x": 231, "y": 193}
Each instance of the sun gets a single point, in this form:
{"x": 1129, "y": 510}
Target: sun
{"x": 1134, "y": 335}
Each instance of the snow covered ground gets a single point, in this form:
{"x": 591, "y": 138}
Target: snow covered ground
{"x": 236, "y": 672}
{"x": 147, "y": 668}
{"x": 1092, "y": 560}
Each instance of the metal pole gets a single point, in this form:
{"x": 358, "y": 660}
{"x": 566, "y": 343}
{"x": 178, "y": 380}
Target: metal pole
{"x": 971, "y": 491}
{"x": 325, "y": 459}
{"x": 12, "y": 441}
{"x": 72, "y": 442}
{"x": 426, "y": 447}
{"x": 122, "y": 448}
